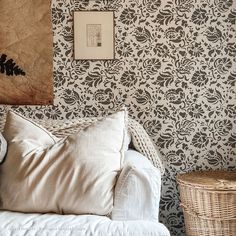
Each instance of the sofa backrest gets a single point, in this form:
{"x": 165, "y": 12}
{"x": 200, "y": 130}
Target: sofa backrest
{"x": 140, "y": 140}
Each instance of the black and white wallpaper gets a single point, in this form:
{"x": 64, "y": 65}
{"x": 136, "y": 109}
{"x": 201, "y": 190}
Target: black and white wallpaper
{"x": 175, "y": 70}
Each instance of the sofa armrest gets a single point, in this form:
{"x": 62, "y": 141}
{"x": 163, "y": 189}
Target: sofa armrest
{"x": 137, "y": 191}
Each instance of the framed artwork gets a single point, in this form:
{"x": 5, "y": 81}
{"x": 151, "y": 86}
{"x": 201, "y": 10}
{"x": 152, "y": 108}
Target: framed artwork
{"x": 26, "y": 53}
{"x": 94, "y": 35}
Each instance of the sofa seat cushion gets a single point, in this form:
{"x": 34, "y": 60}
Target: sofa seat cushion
{"x": 72, "y": 175}
{"x": 21, "y": 224}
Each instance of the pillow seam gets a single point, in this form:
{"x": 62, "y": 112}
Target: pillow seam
{"x": 43, "y": 129}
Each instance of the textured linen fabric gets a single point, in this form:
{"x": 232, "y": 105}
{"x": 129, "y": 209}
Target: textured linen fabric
{"x": 20, "y": 224}
{"x": 3, "y": 147}
{"x": 74, "y": 175}
{"x": 138, "y": 188}
{"x": 137, "y": 135}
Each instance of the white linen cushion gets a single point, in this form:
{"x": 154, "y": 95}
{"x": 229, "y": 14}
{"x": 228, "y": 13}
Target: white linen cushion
{"x": 74, "y": 175}
{"x": 137, "y": 192}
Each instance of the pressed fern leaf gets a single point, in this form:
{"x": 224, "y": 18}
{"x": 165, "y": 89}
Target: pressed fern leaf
{"x": 9, "y": 67}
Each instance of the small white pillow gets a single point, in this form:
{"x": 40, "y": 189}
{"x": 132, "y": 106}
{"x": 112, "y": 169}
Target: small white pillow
{"x": 3, "y": 147}
{"x": 74, "y": 175}
{"x": 137, "y": 191}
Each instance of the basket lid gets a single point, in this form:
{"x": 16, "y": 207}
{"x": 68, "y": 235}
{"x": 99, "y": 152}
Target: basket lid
{"x": 217, "y": 180}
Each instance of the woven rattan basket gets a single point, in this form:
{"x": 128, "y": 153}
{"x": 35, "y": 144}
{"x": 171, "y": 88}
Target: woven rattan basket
{"x": 208, "y": 199}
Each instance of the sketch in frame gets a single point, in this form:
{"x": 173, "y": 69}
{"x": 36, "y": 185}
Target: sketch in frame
{"x": 94, "y": 35}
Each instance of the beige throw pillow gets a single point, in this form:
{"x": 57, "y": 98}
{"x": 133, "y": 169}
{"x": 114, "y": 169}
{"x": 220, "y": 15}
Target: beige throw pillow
{"x": 74, "y": 175}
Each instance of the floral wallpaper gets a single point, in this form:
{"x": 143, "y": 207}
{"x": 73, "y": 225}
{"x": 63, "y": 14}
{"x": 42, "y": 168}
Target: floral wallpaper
{"x": 175, "y": 70}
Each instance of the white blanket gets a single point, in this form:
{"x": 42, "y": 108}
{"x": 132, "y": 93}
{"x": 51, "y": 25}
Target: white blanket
{"x": 19, "y": 224}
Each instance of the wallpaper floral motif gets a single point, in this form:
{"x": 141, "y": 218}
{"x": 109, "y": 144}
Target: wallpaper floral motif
{"x": 176, "y": 73}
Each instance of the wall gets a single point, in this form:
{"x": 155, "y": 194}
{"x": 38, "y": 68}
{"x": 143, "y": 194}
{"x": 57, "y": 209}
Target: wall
{"x": 176, "y": 72}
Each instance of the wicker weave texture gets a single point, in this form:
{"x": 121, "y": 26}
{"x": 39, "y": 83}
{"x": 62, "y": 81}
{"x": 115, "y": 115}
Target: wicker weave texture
{"x": 209, "y": 211}
{"x": 212, "y": 204}
{"x": 197, "y": 226}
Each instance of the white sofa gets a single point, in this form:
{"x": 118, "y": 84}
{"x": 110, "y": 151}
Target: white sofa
{"x": 136, "y": 197}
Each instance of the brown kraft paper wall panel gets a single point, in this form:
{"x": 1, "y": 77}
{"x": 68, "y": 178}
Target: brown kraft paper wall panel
{"x": 26, "y": 39}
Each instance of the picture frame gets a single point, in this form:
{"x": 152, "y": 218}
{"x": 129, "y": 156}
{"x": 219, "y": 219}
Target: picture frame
{"x": 94, "y": 37}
